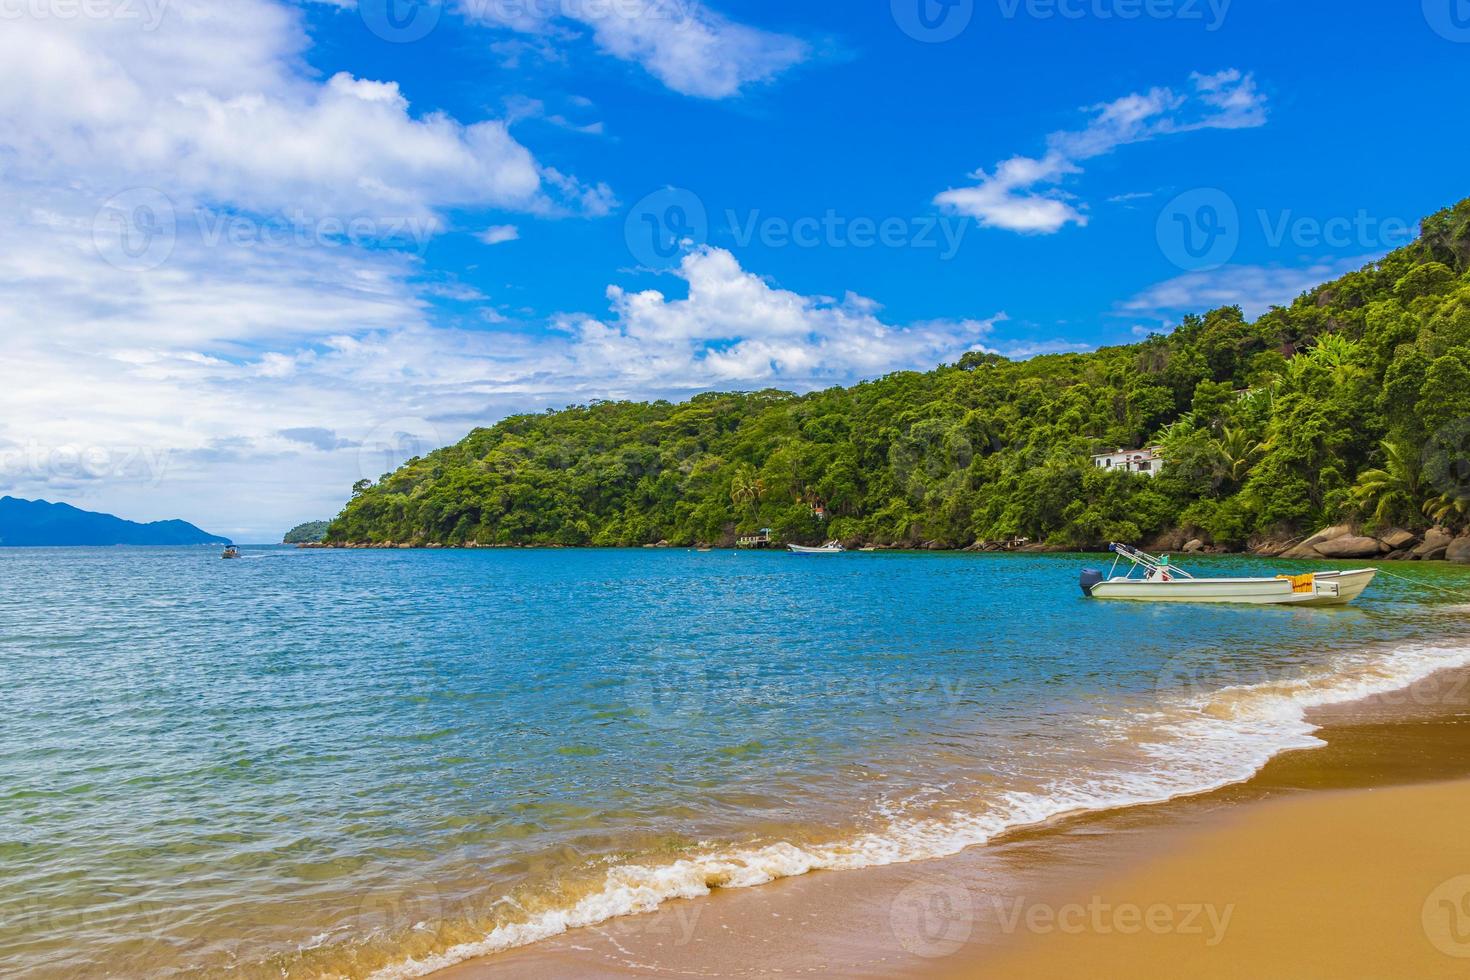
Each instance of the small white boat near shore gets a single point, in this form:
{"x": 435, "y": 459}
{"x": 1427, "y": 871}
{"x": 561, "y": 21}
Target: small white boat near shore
{"x": 1161, "y": 581}
{"x": 830, "y": 548}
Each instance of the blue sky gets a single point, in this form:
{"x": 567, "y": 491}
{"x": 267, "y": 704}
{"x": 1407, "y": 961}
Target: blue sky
{"x": 265, "y": 249}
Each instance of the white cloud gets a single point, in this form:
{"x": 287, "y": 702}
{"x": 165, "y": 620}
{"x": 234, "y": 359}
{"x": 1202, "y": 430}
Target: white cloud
{"x": 683, "y": 43}
{"x": 1254, "y": 288}
{"x": 734, "y": 328}
{"x": 243, "y": 386}
{"x": 194, "y": 287}
{"x": 499, "y": 234}
{"x": 520, "y": 108}
{"x": 1022, "y": 194}
{"x": 214, "y": 106}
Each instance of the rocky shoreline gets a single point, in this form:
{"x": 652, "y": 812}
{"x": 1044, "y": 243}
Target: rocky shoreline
{"x": 1337, "y": 542}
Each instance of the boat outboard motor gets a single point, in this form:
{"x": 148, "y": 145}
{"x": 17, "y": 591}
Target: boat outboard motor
{"x": 1090, "y": 577}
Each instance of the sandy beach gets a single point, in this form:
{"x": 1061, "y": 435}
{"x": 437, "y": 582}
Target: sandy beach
{"x": 1335, "y": 884}
{"x": 1346, "y": 860}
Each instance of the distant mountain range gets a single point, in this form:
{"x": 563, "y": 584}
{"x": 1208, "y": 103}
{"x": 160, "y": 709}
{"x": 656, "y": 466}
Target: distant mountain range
{"x": 38, "y": 523}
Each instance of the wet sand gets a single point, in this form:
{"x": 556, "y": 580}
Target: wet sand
{"x": 1366, "y": 883}
{"x": 1341, "y": 860}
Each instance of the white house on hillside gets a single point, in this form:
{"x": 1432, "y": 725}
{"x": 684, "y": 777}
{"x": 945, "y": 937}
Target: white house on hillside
{"x": 1146, "y": 461}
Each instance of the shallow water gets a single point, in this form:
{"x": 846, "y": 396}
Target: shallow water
{"x": 347, "y": 763}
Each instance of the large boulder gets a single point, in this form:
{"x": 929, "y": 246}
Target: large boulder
{"x": 1458, "y": 550}
{"x": 1171, "y": 540}
{"x": 1397, "y": 538}
{"x": 1308, "y": 548}
{"x": 1194, "y": 546}
{"x": 1436, "y": 539}
{"x": 1350, "y": 546}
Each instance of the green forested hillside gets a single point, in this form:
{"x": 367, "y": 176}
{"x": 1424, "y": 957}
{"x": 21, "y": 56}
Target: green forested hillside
{"x": 1353, "y": 402}
{"x": 308, "y": 533}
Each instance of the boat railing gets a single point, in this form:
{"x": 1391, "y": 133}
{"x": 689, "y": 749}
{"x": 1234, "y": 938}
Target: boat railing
{"x": 1150, "y": 563}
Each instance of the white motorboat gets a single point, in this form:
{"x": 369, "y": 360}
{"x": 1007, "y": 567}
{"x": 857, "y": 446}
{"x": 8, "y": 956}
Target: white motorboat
{"x": 1156, "y": 579}
{"x": 830, "y": 548}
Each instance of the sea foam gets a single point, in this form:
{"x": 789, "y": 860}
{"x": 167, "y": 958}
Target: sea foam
{"x": 1189, "y": 743}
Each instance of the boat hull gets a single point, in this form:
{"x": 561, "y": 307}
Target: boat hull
{"x": 797, "y": 549}
{"x": 1329, "y": 589}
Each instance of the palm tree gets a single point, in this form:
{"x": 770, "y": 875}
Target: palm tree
{"x": 1392, "y": 489}
{"x": 1440, "y": 509}
{"x": 1237, "y": 452}
{"x": 746, "y": 486}
{"x": 1184, "y": 425}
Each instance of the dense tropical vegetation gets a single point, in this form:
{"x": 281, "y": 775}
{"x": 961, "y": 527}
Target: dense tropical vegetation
{"x": 308, "y": 533}
{"x": 1351, "y": 403}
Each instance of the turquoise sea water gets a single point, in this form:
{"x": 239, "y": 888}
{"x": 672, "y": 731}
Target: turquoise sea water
{"x": 355, "y": 763}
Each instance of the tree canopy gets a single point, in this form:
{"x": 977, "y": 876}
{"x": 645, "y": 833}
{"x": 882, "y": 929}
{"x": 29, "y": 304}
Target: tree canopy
{"x": 1351, "y": 402}
{"x": 308, "y": 533}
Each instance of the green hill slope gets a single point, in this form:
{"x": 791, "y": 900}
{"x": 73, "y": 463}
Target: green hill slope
{"x": 1267, "y": 427}
{"x": 308, "y": 533}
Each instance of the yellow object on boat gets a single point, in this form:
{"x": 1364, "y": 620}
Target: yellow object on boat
{"x": 1301, "y": 583}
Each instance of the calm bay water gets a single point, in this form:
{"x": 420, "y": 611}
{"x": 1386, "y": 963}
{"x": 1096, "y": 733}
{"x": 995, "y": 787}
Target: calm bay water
{"x": 356, "y": 763}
